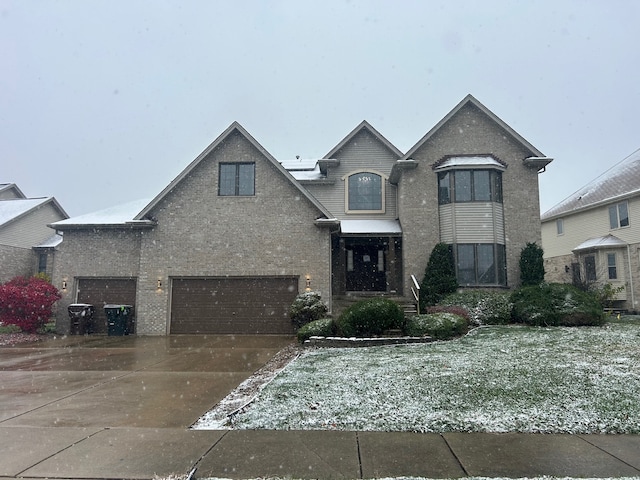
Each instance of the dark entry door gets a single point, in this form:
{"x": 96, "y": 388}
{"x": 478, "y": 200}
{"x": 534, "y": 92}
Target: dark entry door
{"x": 366, "y": 269}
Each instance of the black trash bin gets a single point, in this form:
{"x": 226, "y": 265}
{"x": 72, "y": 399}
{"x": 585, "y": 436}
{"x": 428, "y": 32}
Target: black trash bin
{"x": 81, "y": 315}
{"x": 119, "y": 319}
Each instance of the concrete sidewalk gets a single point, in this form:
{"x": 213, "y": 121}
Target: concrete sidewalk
{"x": 121, "y": 407}
{"x": 147, "y": 453}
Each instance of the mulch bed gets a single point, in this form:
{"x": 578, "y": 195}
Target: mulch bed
{"x": 13, "y": 339}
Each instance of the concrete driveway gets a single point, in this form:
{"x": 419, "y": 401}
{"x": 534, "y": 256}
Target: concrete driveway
{"x": 140, "y": 382}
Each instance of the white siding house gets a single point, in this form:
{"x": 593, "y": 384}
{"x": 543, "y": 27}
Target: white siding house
{"x": 593, "y": 236}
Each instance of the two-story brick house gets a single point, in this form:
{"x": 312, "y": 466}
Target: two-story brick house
{"x": 229, "y": 243}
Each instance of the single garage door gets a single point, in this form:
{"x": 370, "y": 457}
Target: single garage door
{"x": 103, "y": 291}
{"x": 257, "y": 305}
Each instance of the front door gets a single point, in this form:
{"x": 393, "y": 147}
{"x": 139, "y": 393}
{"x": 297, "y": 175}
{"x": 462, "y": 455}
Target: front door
{"x": 366, "y": 269}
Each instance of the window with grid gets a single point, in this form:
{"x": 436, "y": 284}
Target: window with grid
{"x": 237, "y": 179}
{"x": 365, "y": 192}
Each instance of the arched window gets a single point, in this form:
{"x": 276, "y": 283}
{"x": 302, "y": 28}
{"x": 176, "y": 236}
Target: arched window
{"x": 364, "y": 192}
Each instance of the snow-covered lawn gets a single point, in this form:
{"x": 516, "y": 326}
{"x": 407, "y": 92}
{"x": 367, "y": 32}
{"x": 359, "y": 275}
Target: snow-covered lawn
{"x": 496, "y": 379}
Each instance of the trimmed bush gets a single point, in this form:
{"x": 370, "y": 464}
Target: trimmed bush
{"x": 27, "y": 303}
{"x": 551, "y": 304}
{"x": 441, "y": 326}
{"x": 439, "y": 276}
{"x": 483, "y": 307}
{"x": 531, "y": 265}
{"x": 370, "y": 317}
{"x": 307, "y": 307}
{"x": 318, "y": 328}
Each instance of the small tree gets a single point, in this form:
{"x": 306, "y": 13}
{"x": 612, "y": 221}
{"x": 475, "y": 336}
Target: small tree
{"x": 27, "y": 302}
{"x": 439, "y": 276}
{"x": 531, "y": 265}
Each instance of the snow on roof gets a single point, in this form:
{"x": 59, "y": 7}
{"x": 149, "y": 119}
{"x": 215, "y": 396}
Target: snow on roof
{"x": 52, "y": 241}
{"x": 13, "y": 208}
{"x": 620, "y": 180}
{"x": 300, "y": 164}
{"x": 371, "y": 226}
{"x": 607, "y": 241}
{"x": 120, "y": 214}
{"x": 476, "y": 161}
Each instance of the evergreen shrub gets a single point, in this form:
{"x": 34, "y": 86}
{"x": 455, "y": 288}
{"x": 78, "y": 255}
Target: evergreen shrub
{"x": 439, "y": 276}
{"x": 441, "y": 326}
{"x": 483, "y": 307}
{"x": 307, "y": 307}
{"x": 324, "y": 327}
{"x": 370, "y": 317}
{"x": 531, "y": 265}
{"x": 551, "y": 304}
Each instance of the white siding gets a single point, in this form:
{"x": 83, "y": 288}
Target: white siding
{"x": 363, "y": 152}
{"x": 582, "y": 226}
{"x": 472, "y": 223}
{"x": 31, "y": 229}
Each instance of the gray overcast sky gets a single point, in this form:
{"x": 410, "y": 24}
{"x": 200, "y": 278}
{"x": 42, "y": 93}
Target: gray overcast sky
{"x": 102, "y": 102}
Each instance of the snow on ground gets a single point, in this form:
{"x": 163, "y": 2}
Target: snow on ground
{"x": 496, "y": 379}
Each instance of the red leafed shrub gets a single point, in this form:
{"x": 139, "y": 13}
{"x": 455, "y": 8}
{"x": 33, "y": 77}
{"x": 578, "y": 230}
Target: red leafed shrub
{"x": 27, "y": 302}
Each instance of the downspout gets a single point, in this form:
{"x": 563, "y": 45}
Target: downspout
{"x": 633, "y": 300}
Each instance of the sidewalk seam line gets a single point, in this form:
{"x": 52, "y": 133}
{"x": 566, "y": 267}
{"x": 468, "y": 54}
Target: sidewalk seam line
{"x": 580, "y": 436}
{"x": 359, "y": 455}
{"x": 62, "y": 450}
{"x": 194, "y": 467}
{"x": 455, "y": 456}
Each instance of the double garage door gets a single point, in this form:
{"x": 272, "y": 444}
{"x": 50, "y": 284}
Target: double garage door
{"x": 232, "y": 305}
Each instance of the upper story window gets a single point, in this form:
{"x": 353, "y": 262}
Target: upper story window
{"x": 560, "y": 226}
{"x": 365, "y": 192}
{"x": 237, "y": 179}
{"x": 619, "y": 215}
{"x": 460, "y": 186}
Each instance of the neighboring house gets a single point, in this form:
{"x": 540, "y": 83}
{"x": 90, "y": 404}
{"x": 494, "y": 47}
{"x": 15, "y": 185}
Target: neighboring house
{"x": 227, "y": 246}
{"x": 593, "y": 236}
{"x": 26, "y": 243}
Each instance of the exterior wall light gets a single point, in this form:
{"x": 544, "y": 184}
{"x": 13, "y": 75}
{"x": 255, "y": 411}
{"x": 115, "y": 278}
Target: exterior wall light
{"x": 308, "y": 286}
{"x": 159, "y": 284}
{"x": 64, "y": 285}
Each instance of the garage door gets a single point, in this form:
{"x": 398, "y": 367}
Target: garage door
{"x": 103, "y": 291}
{"x": 232, "y": 305}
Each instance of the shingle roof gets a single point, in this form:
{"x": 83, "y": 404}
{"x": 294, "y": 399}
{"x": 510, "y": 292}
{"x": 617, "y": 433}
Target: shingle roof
{"x": 14, "y": 208}
{"x": 621, "y": 180}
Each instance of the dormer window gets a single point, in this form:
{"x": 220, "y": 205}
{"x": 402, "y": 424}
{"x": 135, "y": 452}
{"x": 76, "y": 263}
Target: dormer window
{"x": 364, "y": 192}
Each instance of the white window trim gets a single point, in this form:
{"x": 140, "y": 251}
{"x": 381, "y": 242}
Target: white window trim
{"x": 383, "y": 182}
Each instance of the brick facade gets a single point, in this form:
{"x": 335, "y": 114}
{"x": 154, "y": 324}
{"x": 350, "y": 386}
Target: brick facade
{"x": 190, "y": 231}
{"x": 469, "y": 132}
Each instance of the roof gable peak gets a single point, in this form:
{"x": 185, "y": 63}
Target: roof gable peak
{"x": 364, "y": 125}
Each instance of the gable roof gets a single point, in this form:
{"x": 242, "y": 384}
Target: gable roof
{"x": 620, "y": 181}
{"x": 12, "y": 186}
{"x": 234, "y": 127}
{"x": 14, "y": 209}
{"x": 364, "y": 125}
{"x": 113, "y": 217}
{"x": 471, "y": 100}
